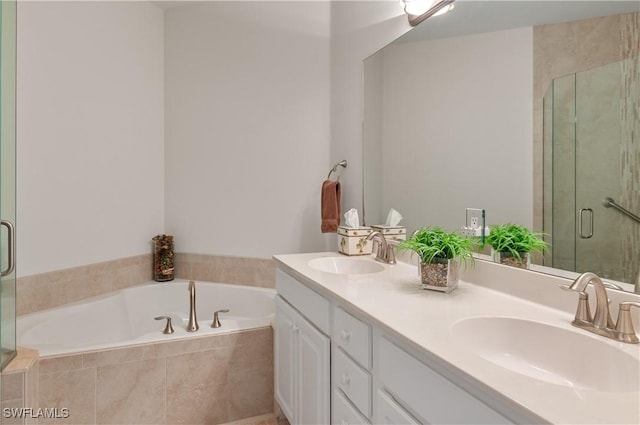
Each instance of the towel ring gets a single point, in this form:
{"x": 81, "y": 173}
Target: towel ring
{"x": 342, "y": 164}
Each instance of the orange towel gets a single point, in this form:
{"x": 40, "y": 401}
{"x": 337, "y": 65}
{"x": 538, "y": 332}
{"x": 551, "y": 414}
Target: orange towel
{"x": 330, "y": 206}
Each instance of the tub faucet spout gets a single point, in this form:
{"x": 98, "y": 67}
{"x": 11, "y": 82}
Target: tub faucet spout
{"x": 192, "y": 326}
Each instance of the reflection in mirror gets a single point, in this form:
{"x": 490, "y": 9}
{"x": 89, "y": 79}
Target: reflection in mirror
{"x": 455, "y": 120}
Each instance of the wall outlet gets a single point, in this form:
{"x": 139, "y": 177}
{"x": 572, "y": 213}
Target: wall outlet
{"x": 475, "y": 218}
{"x": 475, "y": 224}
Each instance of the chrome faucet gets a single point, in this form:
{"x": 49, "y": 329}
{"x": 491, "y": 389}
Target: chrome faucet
{"x": 601, "y": 323}
{"x": 192, "y": 326}
{"x": 384, "y": 253}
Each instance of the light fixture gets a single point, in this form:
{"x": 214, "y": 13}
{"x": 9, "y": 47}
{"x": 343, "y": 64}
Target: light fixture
{"x": 419, "y": 10}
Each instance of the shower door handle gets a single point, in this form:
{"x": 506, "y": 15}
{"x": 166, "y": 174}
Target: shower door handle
{"x": 11, "y": 236}
{"x": 581, "y": 220}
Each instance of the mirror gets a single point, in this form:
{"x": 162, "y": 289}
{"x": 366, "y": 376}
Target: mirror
{"x": 457, "y": 111}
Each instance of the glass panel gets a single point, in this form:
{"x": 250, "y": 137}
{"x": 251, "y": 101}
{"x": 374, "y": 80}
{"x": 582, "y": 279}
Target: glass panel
{"x": 598, "y": 168}
{"x": 563, "y": 185}
{"x": 7, "y": 174}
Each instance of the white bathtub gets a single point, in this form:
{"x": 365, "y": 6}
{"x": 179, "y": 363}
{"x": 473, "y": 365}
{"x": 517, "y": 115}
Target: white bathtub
{"x": 126, "y": 317}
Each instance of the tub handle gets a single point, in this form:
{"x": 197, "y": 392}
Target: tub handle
{"x": 216, "y": 322}
{"x": 168, "y": 329}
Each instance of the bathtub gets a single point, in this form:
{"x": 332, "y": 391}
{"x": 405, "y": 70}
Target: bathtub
{"x": 126, "y": 317}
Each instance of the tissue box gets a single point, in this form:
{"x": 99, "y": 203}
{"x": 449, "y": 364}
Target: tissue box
{"x": 352, "y": 241}
{"x": 394, "y": 233}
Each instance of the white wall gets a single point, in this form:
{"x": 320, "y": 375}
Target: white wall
{"x": 247, "y": 126}
{"x": 457, "y": 128}
{"x": 90, "y": 133}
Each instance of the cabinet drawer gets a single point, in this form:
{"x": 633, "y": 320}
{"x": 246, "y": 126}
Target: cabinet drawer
{"x": 312, "y": 305}
{"x": 390, "y": 412}
{"x": 343, "y": 413}
{"x": 353, "y": 335}
{"x": 428, "y": 394}
{"x": 354, "y": 381}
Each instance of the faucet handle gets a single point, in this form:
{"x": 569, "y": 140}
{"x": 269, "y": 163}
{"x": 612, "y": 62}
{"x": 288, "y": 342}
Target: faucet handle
{"x": 216, "y": 322}
{"x": 168, "y": 329}
{"x": 624, "y": 325}
{"x": 583, "y": 312}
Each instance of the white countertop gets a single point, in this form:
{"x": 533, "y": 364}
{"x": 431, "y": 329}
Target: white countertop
{"x": 394, "y": 300}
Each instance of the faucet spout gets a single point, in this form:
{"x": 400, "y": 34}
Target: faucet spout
{"x": 192, "y": 326}
{"x": 602, "y": 318}
{"x": 385, "y": 252}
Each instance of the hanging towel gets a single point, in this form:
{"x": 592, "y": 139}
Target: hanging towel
{"x": 330, "y": 205}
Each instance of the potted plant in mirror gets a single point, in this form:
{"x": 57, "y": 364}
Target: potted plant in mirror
{"x": 511, "y": 244}
{"x": 439, "y": 253}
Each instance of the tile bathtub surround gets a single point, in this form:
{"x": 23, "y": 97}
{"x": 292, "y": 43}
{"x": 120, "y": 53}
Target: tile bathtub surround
{"x": 236, "y": 270}
{"x": 208, "y": 380}
{"x": 47, "y": 290}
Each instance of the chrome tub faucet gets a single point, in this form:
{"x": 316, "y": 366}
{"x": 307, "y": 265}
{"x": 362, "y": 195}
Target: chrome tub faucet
{"x": 192, "y": 326}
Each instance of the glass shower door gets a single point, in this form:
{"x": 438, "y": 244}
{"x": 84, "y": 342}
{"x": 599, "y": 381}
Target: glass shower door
{"x": 7, "y": 180}
{"x": 590, "y": 146}
{"x": 598, "y": 171}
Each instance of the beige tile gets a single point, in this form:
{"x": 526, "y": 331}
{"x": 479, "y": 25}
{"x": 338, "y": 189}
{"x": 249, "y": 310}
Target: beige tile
{"x": 10, "y": 415}
{"x": 118, "y": 355}
{"x": 31, "y": 391}
{"x": 74, "y": 390}
{"x": 262, "y": 335}
{"x": 13, "y": 386}
{"x": 192, "y": 345}
{"x": 51, "y": 289}
{"x": 58, "y": 364}
{"x": 131, "y": 393}
{"x": 236, "y": 270}
{"x": 197, "y": 387}
{"x": 252, "y": 356}
{"x": 250, "y": 392}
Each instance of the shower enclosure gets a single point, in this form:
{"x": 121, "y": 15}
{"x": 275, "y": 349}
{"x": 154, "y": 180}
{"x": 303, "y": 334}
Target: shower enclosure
{"x": 7, "y": 180}
{"x": 591, "y": 153}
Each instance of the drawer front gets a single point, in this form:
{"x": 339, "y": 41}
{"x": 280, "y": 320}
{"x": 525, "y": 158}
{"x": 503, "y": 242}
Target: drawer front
{"x": 433, "y": 398}
{"x": 343, "y": 413}
{"x": 353, "y": 335}
{"x": 391, "y": 413}
{"x": 312, "y": 305}
{"x": 354, "y": 381}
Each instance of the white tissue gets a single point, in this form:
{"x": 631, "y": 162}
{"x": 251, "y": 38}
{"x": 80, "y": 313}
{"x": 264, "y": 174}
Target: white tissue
{"x": 393, "y": 218}
{"x": 351, "y": 218}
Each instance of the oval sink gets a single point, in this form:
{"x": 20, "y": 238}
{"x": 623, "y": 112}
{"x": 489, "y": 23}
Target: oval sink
{"x": 345, "y": 265}
{"x": 549, "y": 353}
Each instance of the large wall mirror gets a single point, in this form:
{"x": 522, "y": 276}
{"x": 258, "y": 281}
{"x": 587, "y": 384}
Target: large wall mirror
{"x": 527, "y": 109}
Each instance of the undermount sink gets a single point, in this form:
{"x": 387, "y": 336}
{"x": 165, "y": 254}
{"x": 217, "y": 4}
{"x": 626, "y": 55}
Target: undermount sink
{"x": 345, "y": 265}
{"x": 549, "y": 353}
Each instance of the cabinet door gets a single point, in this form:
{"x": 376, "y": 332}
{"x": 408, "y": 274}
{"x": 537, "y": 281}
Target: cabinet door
{"x": 285, "y": 364}
{"x": 313, "y": 375}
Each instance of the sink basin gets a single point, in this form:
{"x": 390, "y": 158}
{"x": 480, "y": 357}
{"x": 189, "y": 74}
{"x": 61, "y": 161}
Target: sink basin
{"x": 549, "y": 353}
{"x": 345, "y": 265}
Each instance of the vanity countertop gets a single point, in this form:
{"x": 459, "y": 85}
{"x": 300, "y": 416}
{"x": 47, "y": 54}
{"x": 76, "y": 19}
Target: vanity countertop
{"x": 393, "y": 300}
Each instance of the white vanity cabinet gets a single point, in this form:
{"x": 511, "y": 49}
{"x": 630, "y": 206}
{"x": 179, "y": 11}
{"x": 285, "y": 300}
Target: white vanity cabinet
{"x": 409, "y": 391}
{"x": 333, "y": 365}
{"x": 302, "y": 352}
{"x": 351, "y": 363}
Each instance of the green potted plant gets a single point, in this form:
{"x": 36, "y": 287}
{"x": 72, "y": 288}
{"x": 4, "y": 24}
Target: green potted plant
{"x": 511, "y": 244}
{"x": 439, "y": 252}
